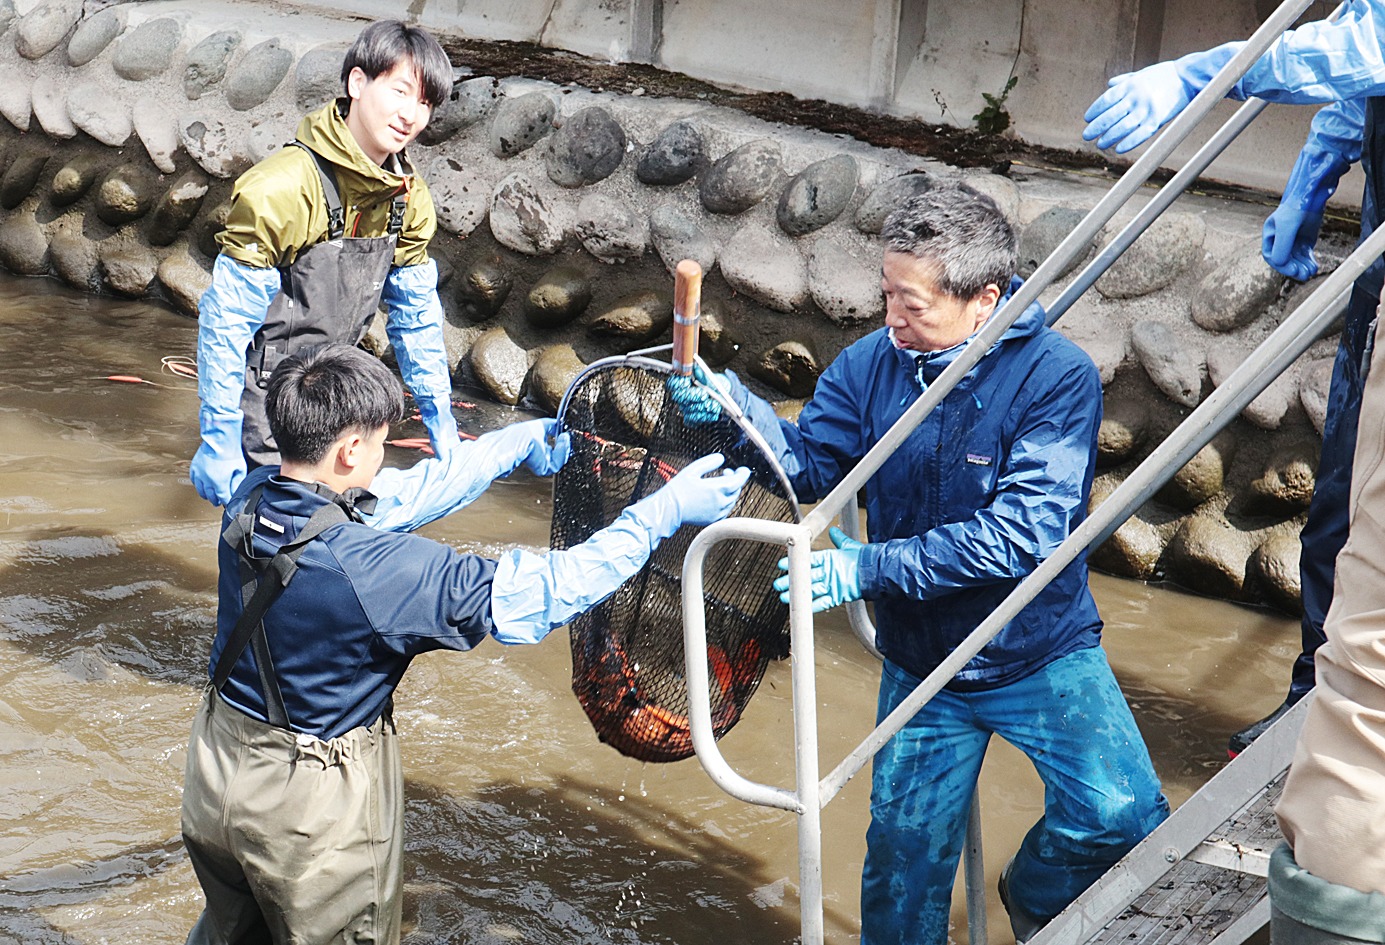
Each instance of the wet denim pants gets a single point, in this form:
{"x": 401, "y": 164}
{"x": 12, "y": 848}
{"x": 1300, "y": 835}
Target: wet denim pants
{"x": 1101, "y": 794}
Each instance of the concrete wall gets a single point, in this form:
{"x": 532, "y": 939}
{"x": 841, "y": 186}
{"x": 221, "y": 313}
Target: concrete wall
{"x": 930, "y": 59}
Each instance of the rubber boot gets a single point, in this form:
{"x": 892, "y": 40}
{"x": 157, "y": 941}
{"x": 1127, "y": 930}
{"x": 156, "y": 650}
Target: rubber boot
{"x": 1288, "y": 931}
{"x": 1242, "y": 739}
{"x": 1309, "y": 910}
{"x": 1023, "y": 925}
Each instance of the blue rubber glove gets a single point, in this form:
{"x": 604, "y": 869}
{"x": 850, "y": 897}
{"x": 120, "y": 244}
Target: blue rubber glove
{"x": 689, "y": 499}
{"x": 415, "y": 332}
{"x": 690, "y": 395}
{"x": 1292, "y": 230}
{"x": 836, "y": 573}
{"x": 532, "y": 594}
{"x": 219, "y": 465}
{"x": 1138, "y": 104}
{"x": 534, "y": 444}
{"x": 228, "y": 315}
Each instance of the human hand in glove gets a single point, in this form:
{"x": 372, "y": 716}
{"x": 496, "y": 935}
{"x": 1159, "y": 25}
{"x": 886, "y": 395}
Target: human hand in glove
{"x": 1138, "y": 104}
{"x": 836, "y": 573}
{"x": 218, "y": 467}
{"x": 690, "y": 394}
{"x": 690, "y": 499}
{"x": 1291, "y": 231}
{"x": 534, "y": 444}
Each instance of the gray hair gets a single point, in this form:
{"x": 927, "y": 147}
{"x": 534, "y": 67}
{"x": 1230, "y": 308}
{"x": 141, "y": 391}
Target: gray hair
{"x": 962, "y": 232}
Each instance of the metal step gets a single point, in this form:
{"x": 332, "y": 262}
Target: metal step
{"x": 1199, "y": 878}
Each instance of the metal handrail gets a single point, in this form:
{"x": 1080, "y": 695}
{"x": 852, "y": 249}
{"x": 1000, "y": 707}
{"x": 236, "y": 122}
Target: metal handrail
{"x": 1246, "y": 382}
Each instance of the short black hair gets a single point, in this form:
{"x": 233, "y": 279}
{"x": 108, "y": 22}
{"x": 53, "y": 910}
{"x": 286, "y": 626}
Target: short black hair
{"x": 962, "y": 232}
{"x": 323, "y": 393}
{"x": 385, "y": 43}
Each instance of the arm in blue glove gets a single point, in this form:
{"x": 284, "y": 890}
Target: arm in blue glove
{"x": 1138, "y": 104}
{"x": 699, "y": 407}
{"x": 836, "y": 573}
{"x": 1290, "y": 233}
{"x": 228, "y": 315}
{"x": 532, "y": 594}
{"x": 407, "y": 499}
{"x": 415, "y": 332}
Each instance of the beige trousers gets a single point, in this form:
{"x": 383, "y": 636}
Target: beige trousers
{"x": 1333, "y": 808}
{"x": 294, "y": 840}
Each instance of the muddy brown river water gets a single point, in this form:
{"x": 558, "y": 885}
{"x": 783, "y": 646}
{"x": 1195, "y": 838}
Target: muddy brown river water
{"x": 522, "y": 827}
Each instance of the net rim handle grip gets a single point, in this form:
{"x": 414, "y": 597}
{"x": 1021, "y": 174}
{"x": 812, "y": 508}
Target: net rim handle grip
{"x": 687, "y": 309}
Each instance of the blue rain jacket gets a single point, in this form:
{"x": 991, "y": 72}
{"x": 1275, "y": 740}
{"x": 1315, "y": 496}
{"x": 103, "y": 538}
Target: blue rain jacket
{"x": 974, "y": 500}
{"x": 367, "y": 598}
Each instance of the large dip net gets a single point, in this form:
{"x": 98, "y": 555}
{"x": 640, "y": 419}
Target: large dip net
{"x": 628, "y": 439}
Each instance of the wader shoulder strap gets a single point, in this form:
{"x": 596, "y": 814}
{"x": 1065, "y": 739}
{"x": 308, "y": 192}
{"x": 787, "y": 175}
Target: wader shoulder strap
{"x": 258, "y": 592}
{"x": 336, "y": 218}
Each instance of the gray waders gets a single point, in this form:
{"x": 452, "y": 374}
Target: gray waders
{"x": 327, "y": 295}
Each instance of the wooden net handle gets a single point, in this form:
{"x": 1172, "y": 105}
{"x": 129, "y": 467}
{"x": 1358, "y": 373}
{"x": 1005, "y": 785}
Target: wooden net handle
{"x": 687, "y": 309}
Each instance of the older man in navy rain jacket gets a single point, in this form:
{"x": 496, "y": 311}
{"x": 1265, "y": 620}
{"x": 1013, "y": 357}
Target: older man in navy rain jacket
{"x": 974, "y": 500}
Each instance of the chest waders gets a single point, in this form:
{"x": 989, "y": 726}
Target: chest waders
{"x": 262, "y": 580}
{"x": 328, "y": 294}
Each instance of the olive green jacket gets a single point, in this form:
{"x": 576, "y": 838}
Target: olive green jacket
{"x": 278, "y": 208}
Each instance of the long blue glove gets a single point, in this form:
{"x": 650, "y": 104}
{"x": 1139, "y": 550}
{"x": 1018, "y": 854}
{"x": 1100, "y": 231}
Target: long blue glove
{"x": 528, "y": 444}
{"x": 1138, "y": 104}
{"x": 228, "y": 315}
{"x": 407, "y": 499}
{"x": 532, "y": 594}
{"x": 1292, "y": 230}
{"x": 836, "y": 573}
{"x": 415, "y": 331}
{"x": 692, "y": 397}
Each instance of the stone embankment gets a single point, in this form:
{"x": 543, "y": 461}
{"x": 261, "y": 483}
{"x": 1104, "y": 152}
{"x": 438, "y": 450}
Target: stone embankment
{"x": 562, "y": 211}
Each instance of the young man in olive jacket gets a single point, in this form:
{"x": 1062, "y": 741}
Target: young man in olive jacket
{"x": 319, "y": 234}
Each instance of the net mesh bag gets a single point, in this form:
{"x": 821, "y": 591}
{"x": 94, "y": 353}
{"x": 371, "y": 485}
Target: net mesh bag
{"x": 628, "y": 439}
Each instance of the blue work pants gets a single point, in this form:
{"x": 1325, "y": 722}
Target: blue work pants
{"x": 1101, "y": 794}
{"x": 1325, "y": 532}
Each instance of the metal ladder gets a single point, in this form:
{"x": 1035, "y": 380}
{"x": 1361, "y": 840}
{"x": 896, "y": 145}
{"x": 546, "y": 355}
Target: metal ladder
{"x": 1218, "y": 818}
{"x": 1199, "y": 877}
